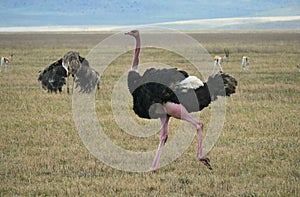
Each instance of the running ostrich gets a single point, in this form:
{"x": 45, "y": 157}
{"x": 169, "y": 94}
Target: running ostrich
{"x": 245, "y": 63}
{"x": 218, "y": 60}
{"x": 165, "y": 93}
{"x": 54, "y": 76}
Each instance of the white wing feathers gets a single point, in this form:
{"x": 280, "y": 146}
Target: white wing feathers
{"x": 191, "y": 82}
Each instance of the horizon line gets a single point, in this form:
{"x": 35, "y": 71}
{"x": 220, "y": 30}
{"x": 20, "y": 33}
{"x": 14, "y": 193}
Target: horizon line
{"x": 209, "y": 24}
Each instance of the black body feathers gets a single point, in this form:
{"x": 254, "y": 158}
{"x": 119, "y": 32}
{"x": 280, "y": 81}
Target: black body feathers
{"x": 87, "y": 78}
{"x": 151, "y": 88}
{"x": 53, "y": 77}
{"x": 158, "y": 86}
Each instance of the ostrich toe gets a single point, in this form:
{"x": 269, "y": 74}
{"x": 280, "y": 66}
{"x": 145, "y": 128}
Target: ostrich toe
{"x": 206, "y": 162}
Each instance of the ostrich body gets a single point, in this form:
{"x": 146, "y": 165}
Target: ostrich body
{"x": 87, "y": 78}
{"x": 165, "y": 93}
{"x": 54, "y": 76}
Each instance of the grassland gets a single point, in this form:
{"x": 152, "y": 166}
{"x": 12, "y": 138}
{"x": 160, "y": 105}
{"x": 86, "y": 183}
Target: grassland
{"x": 257, "y": 153}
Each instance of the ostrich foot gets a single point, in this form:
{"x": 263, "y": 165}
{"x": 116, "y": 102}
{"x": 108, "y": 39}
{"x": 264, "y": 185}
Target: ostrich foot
{"x": 206, "y": 162}
{"x": 152, "y": 170}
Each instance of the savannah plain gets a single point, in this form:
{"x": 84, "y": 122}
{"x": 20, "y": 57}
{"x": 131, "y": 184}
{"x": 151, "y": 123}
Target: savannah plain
{"x": 257, "y": 153}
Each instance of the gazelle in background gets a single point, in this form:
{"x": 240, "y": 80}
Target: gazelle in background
{"x": 245, "y": 63}
{"x": 218, "y": 60}
{"x": 298, "y": 66}
{"x": 5, "y": 61}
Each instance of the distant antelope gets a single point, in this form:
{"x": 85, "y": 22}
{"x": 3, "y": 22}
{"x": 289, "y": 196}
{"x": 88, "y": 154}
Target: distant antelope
{"x": 245, "y": 63}
{"x": 218, "y": 60}
{"x": 5, "y": 61}
{"x": 298, "y": 66}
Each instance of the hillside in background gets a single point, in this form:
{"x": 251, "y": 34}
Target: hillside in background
{"x": 250, "y": 23}
{"x": 136, "y": 12}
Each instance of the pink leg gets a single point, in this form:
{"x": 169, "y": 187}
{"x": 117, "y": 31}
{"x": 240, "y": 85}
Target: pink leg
{"x": 163, "y": 139}
{"x": 179, "y": 111}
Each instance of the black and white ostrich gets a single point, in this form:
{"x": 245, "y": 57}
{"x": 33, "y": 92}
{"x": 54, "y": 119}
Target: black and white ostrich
{"x": 54, "y": 76}
{"x": 165, "y": 93}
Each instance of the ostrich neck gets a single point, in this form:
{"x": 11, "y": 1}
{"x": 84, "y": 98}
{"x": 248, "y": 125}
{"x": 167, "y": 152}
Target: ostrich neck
{"x": 135, "y": 62}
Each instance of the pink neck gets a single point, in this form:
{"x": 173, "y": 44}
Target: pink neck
{"x": 135, "y": 62}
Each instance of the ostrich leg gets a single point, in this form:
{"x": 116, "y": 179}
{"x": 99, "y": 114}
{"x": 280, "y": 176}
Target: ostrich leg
{"x": 179, "y": 111}
{"x": 68, "y": 89}
{"x": 163, "y": 139}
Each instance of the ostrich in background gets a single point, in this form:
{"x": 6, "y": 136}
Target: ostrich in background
{"x": 165, "y": 93}
{"x": 54, "y": 76}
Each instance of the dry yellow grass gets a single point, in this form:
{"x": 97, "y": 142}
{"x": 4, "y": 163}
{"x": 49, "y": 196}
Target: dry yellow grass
{"x": 256, "y": 155}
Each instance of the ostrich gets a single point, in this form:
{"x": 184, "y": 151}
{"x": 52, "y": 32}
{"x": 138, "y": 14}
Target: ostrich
{"x": 245, "y": 63}
{"x": 86, "y": 78}
{"x": 165, "y": 93}
{"x": 54, "y": 76}
{"x": 218, "y": 60}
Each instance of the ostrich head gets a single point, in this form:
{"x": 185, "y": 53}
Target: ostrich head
{"x": 134, "y": 33}
{"x": 71, "y": 62}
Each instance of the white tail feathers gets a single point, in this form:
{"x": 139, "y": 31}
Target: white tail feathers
{"x": 191, "y": 82}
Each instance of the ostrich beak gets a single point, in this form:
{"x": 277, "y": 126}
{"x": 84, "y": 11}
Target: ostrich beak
{"x": 132, "y": 33}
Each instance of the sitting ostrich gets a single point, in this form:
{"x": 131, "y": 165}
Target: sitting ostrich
{"x": 54, "y": 76}
{"x": 83, "y": 75}
{"x": 165, "y": 93}
{"x": 86, "y": 78}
